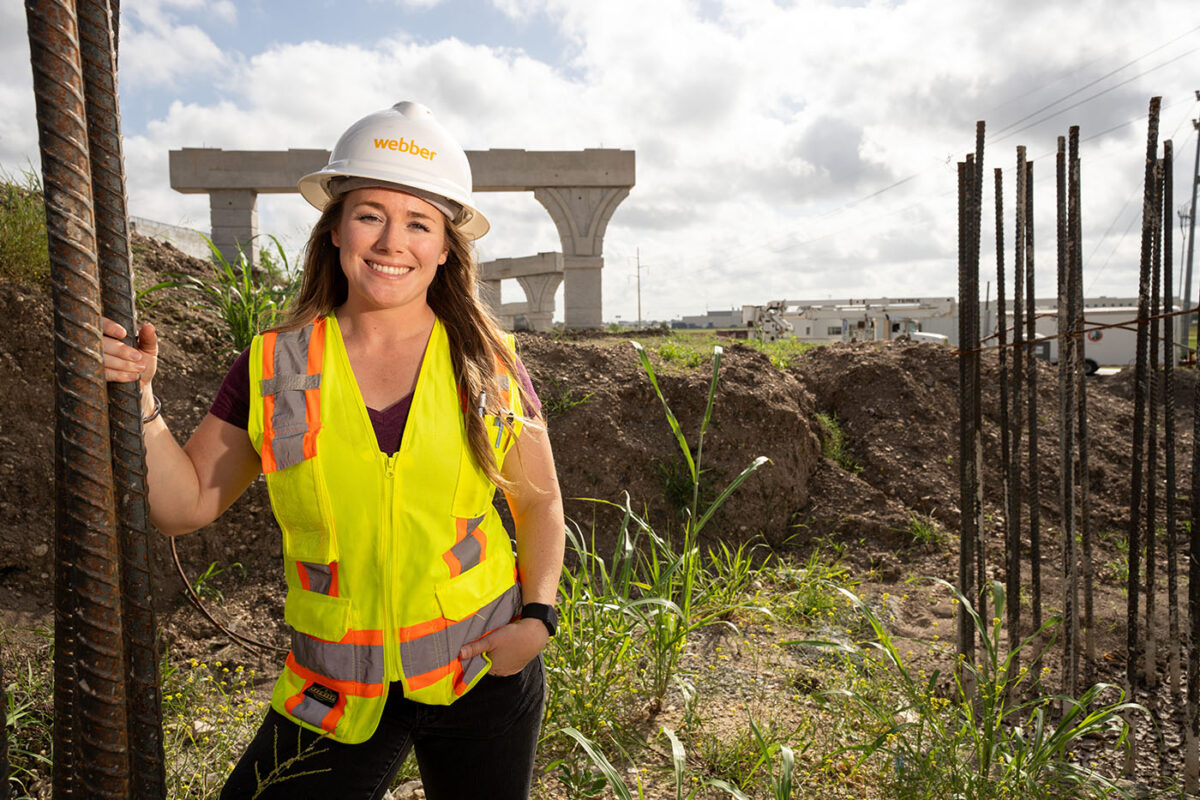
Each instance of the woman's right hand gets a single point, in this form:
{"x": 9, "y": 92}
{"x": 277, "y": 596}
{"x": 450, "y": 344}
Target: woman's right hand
{"x": 123, "y": 363}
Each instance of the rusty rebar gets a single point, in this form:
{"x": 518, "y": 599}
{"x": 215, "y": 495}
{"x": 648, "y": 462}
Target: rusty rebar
{"x": 976, "y": 223}
{"x": 968, "y": 291}
{"x": 1150, "y": 645}
{"x": 89, "y": 688}
{"x": 1133, "y": 641}
{"x": 1066, "y": 210}
{"x": 1012, "y": 533}
{"x": 1018, "y": 371}
{"x": 1191, "y": 758}
{"x": 1031, "y": 382}
{"x": 96, "y": 33}
{"x": 1168, "y": 378}
{"x": 1082, "y": 471}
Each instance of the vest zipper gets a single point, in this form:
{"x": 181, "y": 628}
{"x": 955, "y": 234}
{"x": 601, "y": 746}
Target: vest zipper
{"x": 387, "y": 531}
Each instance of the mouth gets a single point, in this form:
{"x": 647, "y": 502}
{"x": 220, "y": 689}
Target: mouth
{"x": 388, "y": 269}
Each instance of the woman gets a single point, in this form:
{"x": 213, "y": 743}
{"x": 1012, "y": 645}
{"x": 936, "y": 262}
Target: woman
{"x": 384, "y": 413}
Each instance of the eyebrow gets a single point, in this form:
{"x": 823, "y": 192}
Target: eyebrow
{"x": 381, "y": 207}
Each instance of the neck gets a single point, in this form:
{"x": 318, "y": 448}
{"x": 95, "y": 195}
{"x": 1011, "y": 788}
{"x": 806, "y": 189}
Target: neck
{"x": 384, "y": 327}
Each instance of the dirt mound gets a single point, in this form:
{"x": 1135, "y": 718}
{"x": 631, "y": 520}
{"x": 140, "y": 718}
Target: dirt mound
{"x": 611, "y": 436}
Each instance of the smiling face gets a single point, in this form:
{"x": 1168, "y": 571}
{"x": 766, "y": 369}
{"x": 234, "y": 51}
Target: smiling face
{"x": 390, "y": 247}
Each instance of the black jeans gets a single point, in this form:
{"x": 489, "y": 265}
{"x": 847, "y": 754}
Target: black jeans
{"x": 480, "y": 746}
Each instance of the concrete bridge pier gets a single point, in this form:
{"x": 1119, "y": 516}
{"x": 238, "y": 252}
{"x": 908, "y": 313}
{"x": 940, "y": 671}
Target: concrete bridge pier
{"x": 234, "y": 217}
{"x": 581, "y": 216}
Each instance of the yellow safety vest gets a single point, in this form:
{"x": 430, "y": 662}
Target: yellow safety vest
{"x": 393, "y": 563}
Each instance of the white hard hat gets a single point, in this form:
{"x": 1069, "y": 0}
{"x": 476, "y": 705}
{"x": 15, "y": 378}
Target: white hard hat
{"x": 405, "y": 147}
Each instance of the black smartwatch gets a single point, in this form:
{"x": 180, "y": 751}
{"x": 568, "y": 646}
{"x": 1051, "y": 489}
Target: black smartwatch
{"x": 547, "y": 614}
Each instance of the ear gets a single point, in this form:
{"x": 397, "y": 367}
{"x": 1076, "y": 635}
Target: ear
{"x": 335, "y": 236}
{"x": 445, "y": 254}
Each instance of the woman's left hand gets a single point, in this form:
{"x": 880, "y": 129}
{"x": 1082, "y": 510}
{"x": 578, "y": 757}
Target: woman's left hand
{"x": 510, "y": 648}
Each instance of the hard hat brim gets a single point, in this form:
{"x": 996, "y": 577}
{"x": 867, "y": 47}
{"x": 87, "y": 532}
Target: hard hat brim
{"x": 314, "y": 188}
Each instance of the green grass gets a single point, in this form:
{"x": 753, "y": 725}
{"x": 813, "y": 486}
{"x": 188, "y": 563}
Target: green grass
{"x": 24, "y": 254}
{"x": 689, "y": 349}
{"x": 833, "y": 442}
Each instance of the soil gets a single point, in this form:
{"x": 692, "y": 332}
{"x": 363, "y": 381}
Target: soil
{"x": 897, "y": 403}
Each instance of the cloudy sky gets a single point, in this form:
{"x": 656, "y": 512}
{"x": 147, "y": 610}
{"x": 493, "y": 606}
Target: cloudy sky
{"x": 787, "y": 149}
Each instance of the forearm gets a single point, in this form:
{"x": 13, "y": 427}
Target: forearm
{"x": 540, "y": 545}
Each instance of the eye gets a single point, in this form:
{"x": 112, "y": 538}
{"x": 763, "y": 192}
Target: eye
{"x": 368, "y": 216}
{"x": 420, "y": 226}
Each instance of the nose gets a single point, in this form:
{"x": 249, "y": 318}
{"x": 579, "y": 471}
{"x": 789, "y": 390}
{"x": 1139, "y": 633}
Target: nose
{"x": 393, "y": 237}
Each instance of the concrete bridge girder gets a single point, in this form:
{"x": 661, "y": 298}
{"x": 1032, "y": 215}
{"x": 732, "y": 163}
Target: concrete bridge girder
{"x": 580, "y": 190}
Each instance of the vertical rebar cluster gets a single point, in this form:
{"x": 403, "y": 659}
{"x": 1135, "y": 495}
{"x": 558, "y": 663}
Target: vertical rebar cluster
{"x": 1153, "y": 507}
{"x": 107, "y": 718}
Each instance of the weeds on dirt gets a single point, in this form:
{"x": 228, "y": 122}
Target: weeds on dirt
{"x": 24, "y": 250}
{"x": 29, "y": 718}
{"x": 980, "y": 739}
{"x": 833, "y": 442}
{"x": 246, "y": 300}
{"x": 687, "y": 349}
{"x": 209, "y": 715}
{"x": 924, "y": 530}
{"x": 558, "y": 398}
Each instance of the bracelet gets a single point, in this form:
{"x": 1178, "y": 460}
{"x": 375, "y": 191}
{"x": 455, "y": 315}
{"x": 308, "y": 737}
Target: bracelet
{"x": 155, "y": 413}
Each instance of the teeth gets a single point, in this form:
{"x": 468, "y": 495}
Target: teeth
{"x": 386, "y": 270}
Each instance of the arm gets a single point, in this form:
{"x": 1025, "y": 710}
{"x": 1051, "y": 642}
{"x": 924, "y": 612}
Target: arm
{"x": 536, "y": 504}
{"x": 188, "y": 486}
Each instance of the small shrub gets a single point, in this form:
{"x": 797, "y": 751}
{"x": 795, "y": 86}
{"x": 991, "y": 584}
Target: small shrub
{"x": 924, "y": 530}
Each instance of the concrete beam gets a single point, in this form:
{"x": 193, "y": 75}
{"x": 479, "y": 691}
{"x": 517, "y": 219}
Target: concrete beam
{"x": 196, "y": 170}
{"x": 503, "y": 268}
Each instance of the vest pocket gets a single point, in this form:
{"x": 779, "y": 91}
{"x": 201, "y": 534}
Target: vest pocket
{"x": 300, "y": 503}
{"x": 317, "y": 615}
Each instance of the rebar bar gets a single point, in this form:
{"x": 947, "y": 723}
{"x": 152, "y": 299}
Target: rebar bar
{"x": 1066, "y": 210}
{"x": 1082, "y": 472}
{"x": 1018, "y": 371}
{"x": 1132, "y": 654}
{"x": 1150, "y": 645}
{"x": 91, "y": 682}
{"x": 96, "y": 33}
{"x": 1191, "y": 750}
{"x": 1168, "y": 203}
{"x": 1031, "y": 384}
{"x": 1012, "y": 533}
{"x": 976, "y": 223}
{"x": 968, "y": 291}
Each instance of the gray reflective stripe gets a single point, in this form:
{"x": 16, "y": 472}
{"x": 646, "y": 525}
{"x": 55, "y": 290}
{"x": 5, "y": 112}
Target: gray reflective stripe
{"x": 311, "y": 711}
{"x": 360, "y": 663}
{"x": 472, "y": 668}
{"x": 504, "y": 384}
{"x": 320, "y": 577}
{"x": 290, "y": 383}
{"x": 469, "y": 552}
{"x": 438, "y": 649}
{"x": 289, "y": 418}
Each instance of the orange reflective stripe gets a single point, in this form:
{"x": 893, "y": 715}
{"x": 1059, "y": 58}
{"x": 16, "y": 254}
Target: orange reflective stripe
{"x": 331, "y": 719}
{"x": 349, "y": 687}
{"x": 434, "y": 675}
{"x": 372, "y": 637}
{"x": 268, "y": 371}
{"x": 414, "y": 632}
{"x": 452, "y": 562}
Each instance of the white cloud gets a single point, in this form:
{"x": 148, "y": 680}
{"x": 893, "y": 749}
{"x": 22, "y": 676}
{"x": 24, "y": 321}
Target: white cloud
{"x": 767, "y": 134}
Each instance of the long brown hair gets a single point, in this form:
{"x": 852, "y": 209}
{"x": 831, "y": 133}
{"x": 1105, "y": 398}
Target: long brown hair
{"x": 477, "y": 341}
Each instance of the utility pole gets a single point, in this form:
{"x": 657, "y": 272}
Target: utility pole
{"x": 1187, "y": 280}
{"x": 638, "y": 251}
